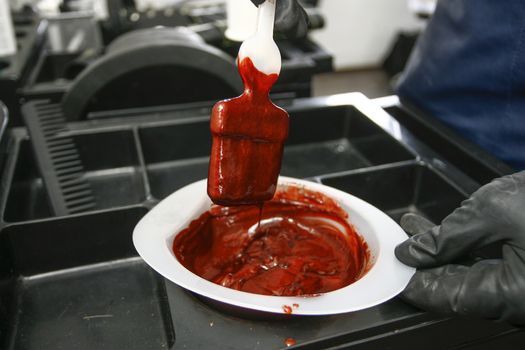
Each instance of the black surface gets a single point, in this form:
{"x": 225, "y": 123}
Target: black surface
{"x": 154, "y": 158}
{"x": 26, "y": 196}
{"x": 210, "y": 329}
{"x": 404, "y": 188}
{"x": 399, "y": 53}
{"x": 475, "y": 162}
{"x": 76, "y": 283}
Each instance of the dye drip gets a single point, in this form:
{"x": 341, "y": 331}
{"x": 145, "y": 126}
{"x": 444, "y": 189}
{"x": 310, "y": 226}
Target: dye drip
{"x": 290, "y": 342}
{"x": 248, "y": 134}
{"x": 303, "y": 245}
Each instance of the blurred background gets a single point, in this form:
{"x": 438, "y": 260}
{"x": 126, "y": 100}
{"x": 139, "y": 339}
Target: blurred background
{"x": 54, "y": 48}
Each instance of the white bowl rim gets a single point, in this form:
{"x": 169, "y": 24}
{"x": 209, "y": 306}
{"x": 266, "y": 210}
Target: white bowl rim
{"x": 154, "y": 234}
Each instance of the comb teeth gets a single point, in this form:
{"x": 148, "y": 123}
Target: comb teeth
{"x": 61, "y": 147}
{"x": 69, "y": 152}
{"x": 69, "y": 170}
{"x": 68, "y": 164}
{"x": 82, "y": 208}
{"x": 58, "y": 159}
{"x": 80, "y": 201}
{"x": 77, "y": 194}
{"x": 70, "y": 190}
{"x": 51, "y": 117}
{"x": 52, "y": 124}
{"x": 56, "y": 142}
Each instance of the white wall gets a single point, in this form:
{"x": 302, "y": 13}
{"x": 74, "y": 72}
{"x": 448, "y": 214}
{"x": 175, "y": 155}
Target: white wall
{"x": 360, "y": 32}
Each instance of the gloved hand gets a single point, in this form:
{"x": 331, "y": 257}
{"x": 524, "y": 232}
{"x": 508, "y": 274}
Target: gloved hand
{"x": 290, "y": 18}
{"x": 493, "y": 289}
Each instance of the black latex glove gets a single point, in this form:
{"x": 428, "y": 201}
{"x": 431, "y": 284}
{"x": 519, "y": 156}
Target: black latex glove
{"x": 493, "y": 289}
{"x": 290, "y": 18}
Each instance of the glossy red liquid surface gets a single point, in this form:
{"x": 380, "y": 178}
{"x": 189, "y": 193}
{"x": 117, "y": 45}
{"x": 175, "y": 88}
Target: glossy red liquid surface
{"x": 248, "y": 134}
{"x": 303, "y": 245}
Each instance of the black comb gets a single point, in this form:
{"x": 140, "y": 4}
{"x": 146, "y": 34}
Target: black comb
{"x": 58, "y": 159}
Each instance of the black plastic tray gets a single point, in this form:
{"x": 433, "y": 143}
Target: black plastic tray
{"x": 144, "y": 161}
{"x": 75, "y": 282}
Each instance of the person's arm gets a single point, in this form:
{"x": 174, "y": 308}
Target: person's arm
{"x": 492, "y": 289}
{"x": 290, "y": 18}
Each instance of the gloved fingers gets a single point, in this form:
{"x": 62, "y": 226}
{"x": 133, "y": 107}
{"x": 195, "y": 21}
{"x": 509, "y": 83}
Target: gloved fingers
{"x": 481, "y": 290}
{"x": 501, "y": 205}
{"x": 425, "y": 288}
{"x": 466, "y": 229}
{"x": 493, "y": 213}
{"x": 414, "y": 224}
{"x": 291, "y": 19}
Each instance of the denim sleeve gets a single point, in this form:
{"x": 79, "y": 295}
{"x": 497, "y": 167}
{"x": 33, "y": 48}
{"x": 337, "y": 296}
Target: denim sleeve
{"x": 468, "y": 71}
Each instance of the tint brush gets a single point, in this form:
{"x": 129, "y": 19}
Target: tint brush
{"x": 248, "y": 132}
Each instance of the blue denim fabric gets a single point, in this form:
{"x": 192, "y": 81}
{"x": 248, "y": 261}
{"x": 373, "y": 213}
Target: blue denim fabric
{"x": 468, "y": 71}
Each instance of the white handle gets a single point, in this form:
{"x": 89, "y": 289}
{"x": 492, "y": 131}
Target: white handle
{"x": 266, "y": 18}
{"x": 261, "y": 48}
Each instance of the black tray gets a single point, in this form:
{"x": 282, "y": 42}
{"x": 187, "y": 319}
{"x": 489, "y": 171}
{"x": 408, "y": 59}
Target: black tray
{"x": 78, "y": 285}
{"x": 142, "y": 160}
{"x": 75, "y": 282}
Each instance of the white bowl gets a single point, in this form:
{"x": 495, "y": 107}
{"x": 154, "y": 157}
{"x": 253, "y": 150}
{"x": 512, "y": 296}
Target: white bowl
{"x": 153, "y": 238}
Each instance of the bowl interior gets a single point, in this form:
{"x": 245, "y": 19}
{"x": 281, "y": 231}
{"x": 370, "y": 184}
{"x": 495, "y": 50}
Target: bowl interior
{"x": 385, "y": 276}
